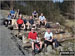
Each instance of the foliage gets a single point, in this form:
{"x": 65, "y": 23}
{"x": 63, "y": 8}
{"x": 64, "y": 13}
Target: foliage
{"x": 53, "y": 11}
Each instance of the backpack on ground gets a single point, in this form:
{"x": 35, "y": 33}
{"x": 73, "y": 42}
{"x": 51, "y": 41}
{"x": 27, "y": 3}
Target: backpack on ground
{"x": 47, "y": 25}
{"x": 57, "y": 44}
{"x": 36, "y": 48}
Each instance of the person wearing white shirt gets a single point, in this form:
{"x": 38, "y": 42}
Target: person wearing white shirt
{"x": 42, "y": 19}
{"x": 49, "y": 38}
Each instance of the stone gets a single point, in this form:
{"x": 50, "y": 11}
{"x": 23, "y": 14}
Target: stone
{"x": 59, "y": 48}
{"x": 49, "y": 48}
{"x": 70, "y": 49}
{"x": 53, "y": 51}
{"x": 25, "y": 40}
{"x": 26, "y": 45}
{"x": 42, "y": 53}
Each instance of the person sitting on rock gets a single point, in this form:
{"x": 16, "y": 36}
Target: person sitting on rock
{"x": 12, "y": 12}
{"x": 30, "y": 23}
{"x": 42, "y": 20}
{"x": 31, "y": 20}
{"x": 20, "y": 23}
{"x": 35, "y": 14}
{"x": 49, "y": 40}
{"x": 33, "y": 37}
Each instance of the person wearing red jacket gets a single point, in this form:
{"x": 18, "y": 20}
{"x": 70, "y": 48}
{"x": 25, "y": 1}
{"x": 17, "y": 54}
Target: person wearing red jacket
{"x": 34, "y": 39}
{"x": 19, "y": 22}
{"x": 32, "y": 35}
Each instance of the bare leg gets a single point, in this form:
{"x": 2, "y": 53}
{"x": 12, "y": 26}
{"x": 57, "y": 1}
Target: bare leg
{"x": 24, "y": 26}
{"x": 33, "y": 15}
{"x": 45, "y": 22}
{"x": 37, "y": 15}
{"x": 45, "y": 45}
{"x": 32, "y": 45}
{"x": 45, "y": 49}
{"x": 41, "y": 45}
{"x": 17, "y": 26}
{"x": 39, "y": 22}
{"x": 28, "y": 25}
{"x": 53, "y": 44}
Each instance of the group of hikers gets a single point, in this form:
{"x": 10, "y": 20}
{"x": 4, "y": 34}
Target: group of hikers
{"x": 43, "y": 42}
{"x": 22, "y": 22}
{"x": 32, "y": 35}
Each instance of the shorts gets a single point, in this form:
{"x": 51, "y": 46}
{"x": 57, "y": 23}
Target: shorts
{"x": 47, "y": 42}
{"x": 50, "y": 43}
{"x": 35, "y": 16}
{"x": 42, "y": 23}
{"x": 32, "y": 41}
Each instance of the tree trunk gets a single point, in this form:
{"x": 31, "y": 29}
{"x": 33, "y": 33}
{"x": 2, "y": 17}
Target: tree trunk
{"x": 11, "y": 4}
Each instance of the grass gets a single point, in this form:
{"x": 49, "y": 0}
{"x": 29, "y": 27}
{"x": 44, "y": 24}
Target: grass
{"x": 70, "y": 23}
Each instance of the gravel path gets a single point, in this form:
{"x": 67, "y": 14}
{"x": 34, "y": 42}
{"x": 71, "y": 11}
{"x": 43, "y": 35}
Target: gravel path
{"x": 7, "y": 45}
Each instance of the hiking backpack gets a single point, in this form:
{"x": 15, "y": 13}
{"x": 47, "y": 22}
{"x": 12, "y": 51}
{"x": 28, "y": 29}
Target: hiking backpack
{"x": 37, "y": 48}
{"x": 47, "y": 25}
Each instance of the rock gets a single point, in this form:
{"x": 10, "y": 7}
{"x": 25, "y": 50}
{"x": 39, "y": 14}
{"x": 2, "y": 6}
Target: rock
{"x": 70, "y": 49}
{"x": 49, "y": 54}
{"x": 59, "y": 48}
{"x": 36, "y": 55}
{"x": 42, "y": 29}
{"x": 46, "y": 53}
{"x": 25, "y": 40}
{"x": 42, "y": 54}
{"x": 53, "y": 52}
{"x": 26, "y": 45}
{"x": 49, "y": 48}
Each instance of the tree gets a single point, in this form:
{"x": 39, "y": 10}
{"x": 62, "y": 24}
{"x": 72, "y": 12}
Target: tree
{"x": 11, "y": 4}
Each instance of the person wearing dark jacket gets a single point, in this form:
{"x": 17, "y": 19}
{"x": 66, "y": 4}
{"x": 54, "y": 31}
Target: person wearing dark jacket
{"x": 31, "y": 21}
